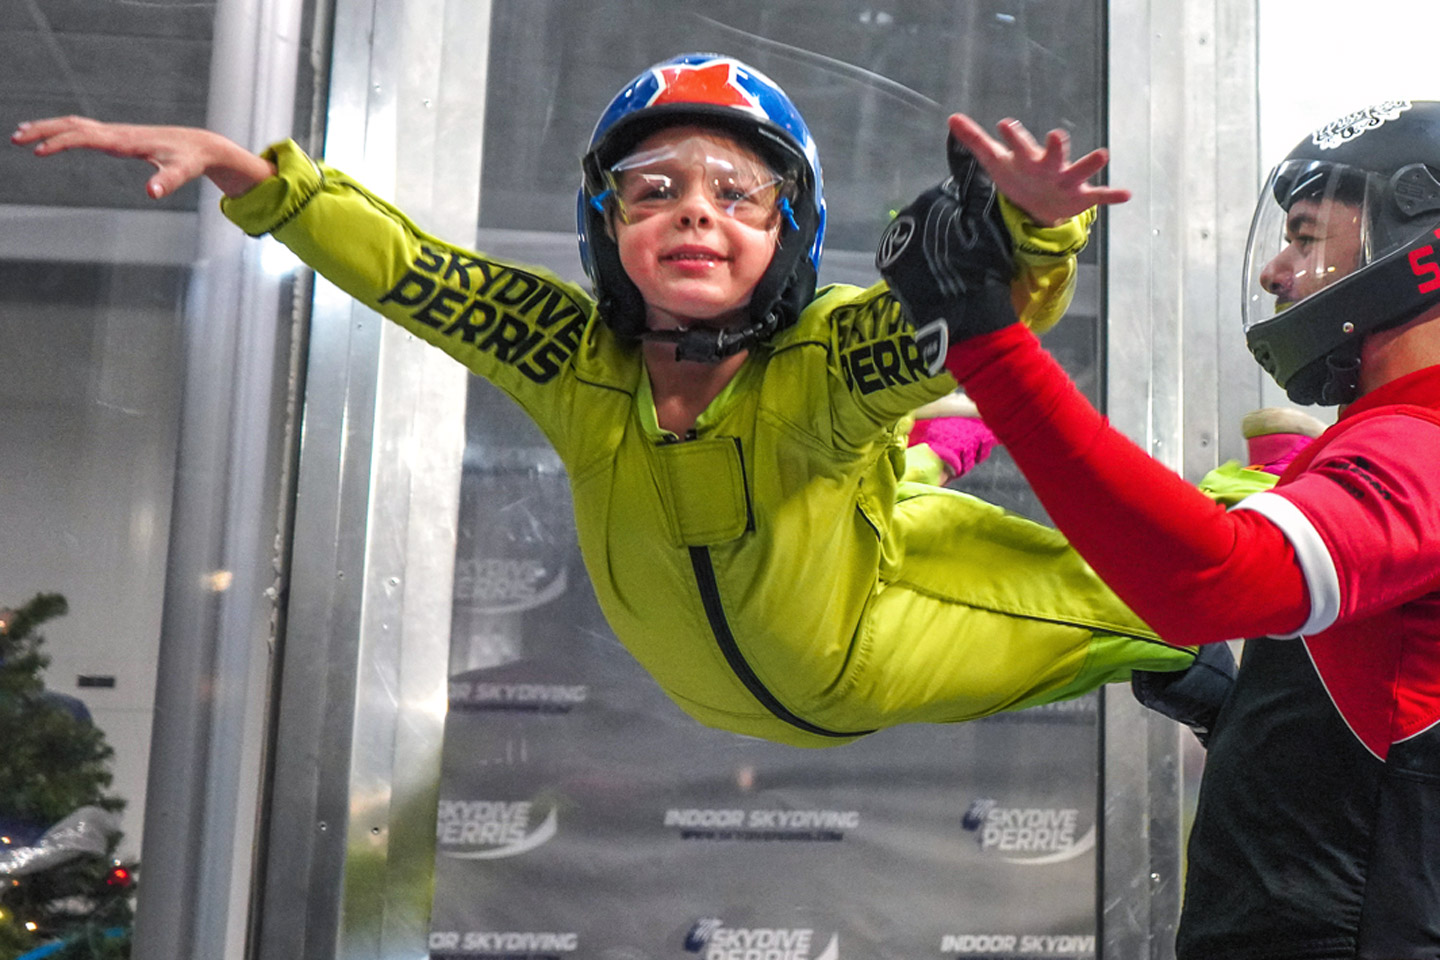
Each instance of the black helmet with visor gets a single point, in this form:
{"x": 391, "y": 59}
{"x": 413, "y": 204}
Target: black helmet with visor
{"x": 1345, "y": 241}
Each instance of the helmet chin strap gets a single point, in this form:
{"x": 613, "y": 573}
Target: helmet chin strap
{"x": 713, "y": 344}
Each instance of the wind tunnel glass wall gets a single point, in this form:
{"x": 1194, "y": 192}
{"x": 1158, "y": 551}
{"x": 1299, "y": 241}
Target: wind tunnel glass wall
{"x": 96, "y": 284}
{"x": 93, "y": 276}
{"x": 581, "y": 812}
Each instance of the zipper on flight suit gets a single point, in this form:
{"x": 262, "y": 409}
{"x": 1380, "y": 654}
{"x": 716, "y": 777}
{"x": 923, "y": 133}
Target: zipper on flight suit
{"x": 704, "y": 567}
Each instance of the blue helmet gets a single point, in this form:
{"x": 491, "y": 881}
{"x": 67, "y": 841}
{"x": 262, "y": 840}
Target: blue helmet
{"x": 720, "y": 92}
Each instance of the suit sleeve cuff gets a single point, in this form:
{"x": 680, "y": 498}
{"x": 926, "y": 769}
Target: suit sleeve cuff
{"x": 272, "y": 203}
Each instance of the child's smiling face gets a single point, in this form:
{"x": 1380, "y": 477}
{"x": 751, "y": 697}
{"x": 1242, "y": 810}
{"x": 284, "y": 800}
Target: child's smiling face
{"x": 696, "y": 223}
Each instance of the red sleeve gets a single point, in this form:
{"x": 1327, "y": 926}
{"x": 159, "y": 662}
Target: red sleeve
{"x": 1372, "y": 498}
{"x": 1195, "y": 572}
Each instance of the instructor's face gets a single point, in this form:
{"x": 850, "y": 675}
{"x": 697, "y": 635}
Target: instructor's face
{"x": 1322, "y": 244}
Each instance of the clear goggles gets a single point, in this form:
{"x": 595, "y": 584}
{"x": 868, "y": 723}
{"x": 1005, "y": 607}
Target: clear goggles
{"x": 732, "y": 181}
{"x": 1312, "y": 227}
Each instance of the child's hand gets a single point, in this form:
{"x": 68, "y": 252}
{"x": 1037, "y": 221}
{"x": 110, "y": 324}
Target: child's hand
{"x": 1039, "y": 180}
{"x": 178, "y": 154}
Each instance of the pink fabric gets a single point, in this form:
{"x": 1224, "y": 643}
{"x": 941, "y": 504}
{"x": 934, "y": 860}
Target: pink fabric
{"x": 962, "y": 442}
{"x": 1272, "y": 453}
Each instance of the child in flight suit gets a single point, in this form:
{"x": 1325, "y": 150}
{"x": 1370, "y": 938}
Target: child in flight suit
{"x": 733, "y": 438}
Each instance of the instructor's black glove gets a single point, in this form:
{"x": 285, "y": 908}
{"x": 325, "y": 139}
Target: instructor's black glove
{"x": 947, "y": 257}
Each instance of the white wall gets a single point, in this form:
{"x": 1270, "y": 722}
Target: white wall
{"x": 1321, "y": 59}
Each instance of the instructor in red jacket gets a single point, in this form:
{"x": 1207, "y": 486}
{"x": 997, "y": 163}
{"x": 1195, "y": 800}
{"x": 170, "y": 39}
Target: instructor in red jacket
{"x": 1318, "y": 831}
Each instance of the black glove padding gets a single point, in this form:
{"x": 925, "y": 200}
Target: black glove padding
{"x": 948, "y": 256}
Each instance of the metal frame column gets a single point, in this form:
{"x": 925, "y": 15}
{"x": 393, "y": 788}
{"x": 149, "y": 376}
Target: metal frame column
{"x": 212, "y": 688}
{"x": 357, "y": 764}
{"x": 1183, "y": 136}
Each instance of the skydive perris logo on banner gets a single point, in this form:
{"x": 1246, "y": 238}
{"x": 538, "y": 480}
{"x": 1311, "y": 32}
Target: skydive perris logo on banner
{"x": 507, "y": 584}
{"x": 492, "y": 829}
{"x": 712, "y": 939}
{"x": 1028, "y": 835}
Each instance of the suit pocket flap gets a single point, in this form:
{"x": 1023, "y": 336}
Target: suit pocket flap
{"x": 703, "y": 489}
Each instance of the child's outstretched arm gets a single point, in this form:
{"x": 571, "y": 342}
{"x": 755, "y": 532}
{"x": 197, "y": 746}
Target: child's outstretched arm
{"x": 178, "y": 154}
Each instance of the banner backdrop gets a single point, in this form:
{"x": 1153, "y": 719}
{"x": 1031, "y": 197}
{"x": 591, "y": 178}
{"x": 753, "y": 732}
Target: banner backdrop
{"x": 582, "y": 815}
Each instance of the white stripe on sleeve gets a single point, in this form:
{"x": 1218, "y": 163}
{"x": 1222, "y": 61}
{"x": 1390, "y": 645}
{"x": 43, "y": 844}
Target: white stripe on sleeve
{"x": 1316, "y": 563}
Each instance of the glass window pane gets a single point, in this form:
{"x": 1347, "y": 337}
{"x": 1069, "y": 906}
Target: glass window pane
{"x": 89, "y": 406}
{"x": 98, "y": 323}
{"x": 128, "y": 62}
{"x": 93, "y": 276}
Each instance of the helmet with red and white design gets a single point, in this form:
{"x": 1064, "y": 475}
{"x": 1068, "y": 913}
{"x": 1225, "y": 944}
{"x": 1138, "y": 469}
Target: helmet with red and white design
{"x": 709, "y": 90}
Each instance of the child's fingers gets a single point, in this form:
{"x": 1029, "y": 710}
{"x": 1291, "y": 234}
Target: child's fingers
{"x": 76, "y": 138}
{"x": 1024, "y": 170}
{"x": 65, "y": 133}
{"x": 31, "y": 131}
{"x": 80, "y": 133}
{"x": 1018, "y": 139}
{"x": 168, "y": 178}
{"x": 1105, "y": 196}
{"x": 1084, "y": 168}
{"x": 1089, "y": 196}
{"x": 1057, "y": 151}
{"x": 975, "y": 139}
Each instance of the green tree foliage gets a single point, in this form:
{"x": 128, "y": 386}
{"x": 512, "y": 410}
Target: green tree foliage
{"x": 51, "y": 764}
